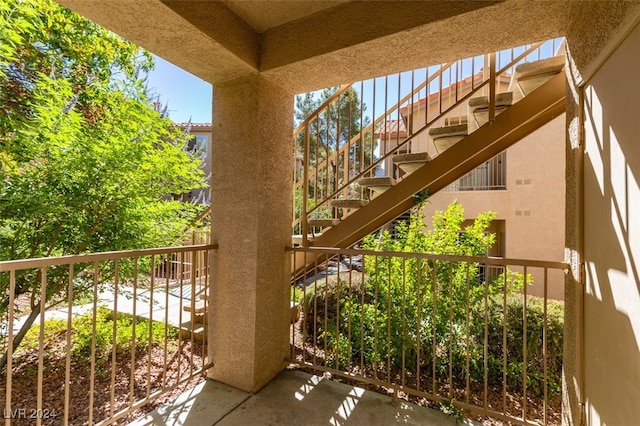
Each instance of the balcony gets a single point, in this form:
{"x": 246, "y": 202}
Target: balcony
{"x": 156, "y": 295}
{"x": 293, "y": 397}
{"x": 490, "y": 176}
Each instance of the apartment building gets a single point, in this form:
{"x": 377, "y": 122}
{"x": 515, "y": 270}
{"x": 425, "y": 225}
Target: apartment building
{"x": 523, "y": 185}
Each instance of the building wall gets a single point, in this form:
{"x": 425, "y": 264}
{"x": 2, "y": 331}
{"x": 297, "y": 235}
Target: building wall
{"x": 612, "y": 238}
{"x": 203, "y": 195}
{"x": 532, "y": 206}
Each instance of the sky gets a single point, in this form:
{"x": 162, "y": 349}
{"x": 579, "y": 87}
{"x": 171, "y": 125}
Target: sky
{"x": 187, "y": 96}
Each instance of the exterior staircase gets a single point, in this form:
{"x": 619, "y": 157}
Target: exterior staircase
{"x": 494, "y": 123}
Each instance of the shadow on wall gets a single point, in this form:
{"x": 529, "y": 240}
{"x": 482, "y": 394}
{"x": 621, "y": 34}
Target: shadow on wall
{"x": 612, "y": 243}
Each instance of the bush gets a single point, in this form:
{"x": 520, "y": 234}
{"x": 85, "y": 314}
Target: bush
{"x": 534, "y": 348}
{"x": 104, "y": 333}
{"x": 409, "y": 309}
{"x": 82, "y": 334}
{"x": 325, "y": 295}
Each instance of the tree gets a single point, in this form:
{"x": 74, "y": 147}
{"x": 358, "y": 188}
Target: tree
{"x": 332, "y": 129}
{"x": 341, "y": 121}
{"x": 397, "y": 292}
{"x": 86, "y": 162}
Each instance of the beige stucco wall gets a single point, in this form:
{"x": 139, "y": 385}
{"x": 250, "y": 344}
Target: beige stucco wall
{"x": 415, "y": 116}
{"x": 532, "y": 206}
{"x": 596, "y": 28}
{"x": 612, "y": 238}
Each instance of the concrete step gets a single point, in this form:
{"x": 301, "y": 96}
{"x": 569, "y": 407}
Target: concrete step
{"x": 348, "y": 204}
{"x": 196, "y": 329}
{"x": 197, "y": 308}
{"x": 409, "y": 163}
{"x": 479, "y": 109}
{"x": 531, "y": 75}
{"x": 294, "y": 310}
{"x": 297, "y": 239}
{"x": 377, "y": 184}
{"x": 447, "y": 136}
{"x": 323, "y": 222}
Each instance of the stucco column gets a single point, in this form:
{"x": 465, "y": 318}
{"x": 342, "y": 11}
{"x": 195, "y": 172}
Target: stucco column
{"x": 251, "y": 223}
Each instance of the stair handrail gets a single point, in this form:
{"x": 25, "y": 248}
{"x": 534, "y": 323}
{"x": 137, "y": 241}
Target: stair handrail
{"x": 444, "y": 67}
{"x": 370, "y": 126}
{"x": 359, "y": 136}
{"x": 341, "y": 89}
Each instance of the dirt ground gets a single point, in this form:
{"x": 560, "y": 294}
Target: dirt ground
{"x": 148, "y": 376}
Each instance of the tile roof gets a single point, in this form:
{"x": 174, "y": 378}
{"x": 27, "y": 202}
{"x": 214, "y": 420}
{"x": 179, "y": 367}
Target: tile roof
{"x": 197, "y": 127}
{"x": 391, "y": 127}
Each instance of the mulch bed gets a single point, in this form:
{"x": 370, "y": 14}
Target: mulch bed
{"x": 148, "y": 376}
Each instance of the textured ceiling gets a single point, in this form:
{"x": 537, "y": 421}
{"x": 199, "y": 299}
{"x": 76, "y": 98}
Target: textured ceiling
{"x": 264, "y": 15}
{"x": 306, "y": 45}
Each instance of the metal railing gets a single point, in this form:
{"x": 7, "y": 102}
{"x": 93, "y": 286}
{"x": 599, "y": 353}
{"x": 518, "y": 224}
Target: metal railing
{"x": 116, "y": 329}
{"x": 358, "y": 129}
{"x": 463, "y": 332}
{"x": 490, "y": 176}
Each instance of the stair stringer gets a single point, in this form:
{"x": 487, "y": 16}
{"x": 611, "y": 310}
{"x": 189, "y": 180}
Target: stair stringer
{"x": 530, "y": 113}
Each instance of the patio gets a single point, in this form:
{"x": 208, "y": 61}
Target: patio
{"x": 293, "y": 397}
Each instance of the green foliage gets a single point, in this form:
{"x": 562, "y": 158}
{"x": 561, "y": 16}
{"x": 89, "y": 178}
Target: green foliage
{"x": 329, "y": 131}
{"x": 429, "y": 314}
{"x": 514, "y": 320}
{"x": 52, "y": 328}
{"x": 413, "y": 306}
{"x": 326, "y": 294}
{"x": 324, "y": 136}
{"x": 82, "y": 336}
{"x": 86, "y": 162}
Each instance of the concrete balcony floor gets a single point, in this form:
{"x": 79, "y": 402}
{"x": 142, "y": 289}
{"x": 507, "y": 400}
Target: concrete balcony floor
{"x": 292, "y": 398}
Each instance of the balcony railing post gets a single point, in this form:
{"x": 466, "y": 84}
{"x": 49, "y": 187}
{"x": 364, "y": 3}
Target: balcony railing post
{"x": 305, "y": 186}
{"x": 492, "y": 87}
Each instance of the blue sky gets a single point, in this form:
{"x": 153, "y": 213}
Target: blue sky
{"x": 187, "y": 96}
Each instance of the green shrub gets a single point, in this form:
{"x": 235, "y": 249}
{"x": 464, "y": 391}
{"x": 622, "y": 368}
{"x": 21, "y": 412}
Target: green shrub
{"x": 52, "y": 328}
{"x": 83, "y": 334}
{"x": 104, "y": 333}
{"x": 410, "y": 309}
{"x": 534, "y": 347}
{"x": 325, "y": 295}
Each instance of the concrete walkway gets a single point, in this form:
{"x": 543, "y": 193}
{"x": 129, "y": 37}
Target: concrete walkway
{"x": 292, "y": 398}
{"x": 163, "y": 306}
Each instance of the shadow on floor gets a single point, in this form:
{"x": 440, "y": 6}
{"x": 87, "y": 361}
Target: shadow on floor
{"x": 292, "y": 398}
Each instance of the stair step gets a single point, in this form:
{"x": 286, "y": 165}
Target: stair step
{"x": 531, "y": 75}
{"x": 447, "y": 136}
{"x": 377, "y": 184}
{"x": 323, "y": 222}
{"x": 197, "y": 330}
{"x": 441, "y": 132}
{"x": 198, "y": 308}
{"x": 502, "y": 100}
{"x": 203, "y": 295}
{"x": 409, "y": 163}
{"x": 297, "y": 239}
{"x": 479, "y": 109}
{"x": 348, "y": 204}
{"x": 543, "y": 66}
